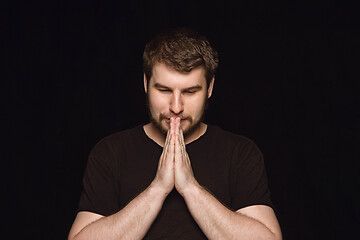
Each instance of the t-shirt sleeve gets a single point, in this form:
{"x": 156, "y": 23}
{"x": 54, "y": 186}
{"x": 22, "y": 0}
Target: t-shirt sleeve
{"x": 99, "y": 185}
{"x": 249, "y": 179}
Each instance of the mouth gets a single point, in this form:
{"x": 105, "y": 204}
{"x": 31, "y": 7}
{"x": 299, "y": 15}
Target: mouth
{"x": 167, "y": 120}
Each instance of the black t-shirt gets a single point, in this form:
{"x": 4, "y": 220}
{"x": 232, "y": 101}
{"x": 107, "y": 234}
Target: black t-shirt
{"x": 124, "y": 164}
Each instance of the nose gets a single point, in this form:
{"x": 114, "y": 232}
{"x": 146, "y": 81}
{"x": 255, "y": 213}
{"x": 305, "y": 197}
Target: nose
{"x": 176, "y": 104}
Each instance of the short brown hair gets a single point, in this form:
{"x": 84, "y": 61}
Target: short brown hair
{"x": 182, "y": 49}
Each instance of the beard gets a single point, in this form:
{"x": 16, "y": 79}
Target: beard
{"x": 193, "y": 125}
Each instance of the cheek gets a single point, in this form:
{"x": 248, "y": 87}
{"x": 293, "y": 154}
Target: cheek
{"x": 196, "y": 106}
{"x": 158, "y": 103}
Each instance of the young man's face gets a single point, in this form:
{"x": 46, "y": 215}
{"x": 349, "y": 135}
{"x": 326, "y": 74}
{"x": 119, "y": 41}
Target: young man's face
{"x": 174, "y": 94}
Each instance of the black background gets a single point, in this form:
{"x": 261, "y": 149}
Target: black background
{"x": 288, "y": 79}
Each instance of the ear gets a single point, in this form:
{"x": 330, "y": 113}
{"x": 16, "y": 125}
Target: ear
{"x": 211, "y": 86}
{"x": 145, "y": 84}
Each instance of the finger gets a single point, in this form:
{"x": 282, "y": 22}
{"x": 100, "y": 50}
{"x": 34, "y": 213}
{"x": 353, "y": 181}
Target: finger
{"x": 178, "y": 149}
{"x": 165, "y": 147}
{"x": 177, "y": 125}
{"x": 172, "y": 125}
{"x": 167, "y": 151}
{"x": 167, "y": 140}
{"x": 167, "y": 136}
{"x": 170, "y": 151}
{"x": 178, "y": 145}
{"x": 182, "y": 141}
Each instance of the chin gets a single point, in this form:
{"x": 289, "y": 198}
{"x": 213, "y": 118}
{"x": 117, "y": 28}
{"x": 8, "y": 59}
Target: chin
{"x": 185, "y": 128}
{"x": 164, "y": 128}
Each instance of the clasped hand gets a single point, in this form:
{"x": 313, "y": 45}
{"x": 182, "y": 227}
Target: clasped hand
{"x": 174, "y": 168}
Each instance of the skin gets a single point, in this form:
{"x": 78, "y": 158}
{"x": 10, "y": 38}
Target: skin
{"x": 215, "y": 220}
{"x": 174, "y": 94}
{"x": 182, "y": 111}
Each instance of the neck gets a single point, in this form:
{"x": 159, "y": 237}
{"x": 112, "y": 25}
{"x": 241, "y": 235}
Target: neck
{"x": 157, "y": 136}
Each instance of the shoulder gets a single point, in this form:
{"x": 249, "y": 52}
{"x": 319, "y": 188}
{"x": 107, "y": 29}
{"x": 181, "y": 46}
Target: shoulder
{"x": 237, "y": 144}
{"x": 220, "y": 135}
{"x": 117, "y": 140}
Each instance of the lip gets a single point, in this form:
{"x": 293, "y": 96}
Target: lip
{"x": 167, "y": 120}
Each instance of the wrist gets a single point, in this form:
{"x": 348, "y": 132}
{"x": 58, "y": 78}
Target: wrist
{"x": 157, "y": 191}
{"x": 192, "y": 189}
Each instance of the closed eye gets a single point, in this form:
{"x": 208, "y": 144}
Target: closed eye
{"x": 164, "y": 90}
{"x": 190, "y": 92}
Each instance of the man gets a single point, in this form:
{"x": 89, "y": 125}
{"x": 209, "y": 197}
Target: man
{"x": 176, "y": 177}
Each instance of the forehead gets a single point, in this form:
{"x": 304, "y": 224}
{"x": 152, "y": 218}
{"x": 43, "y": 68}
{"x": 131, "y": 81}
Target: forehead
{"x": 167, "y": 76}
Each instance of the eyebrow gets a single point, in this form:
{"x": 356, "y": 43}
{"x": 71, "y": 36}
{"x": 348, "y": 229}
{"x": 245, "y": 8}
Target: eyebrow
{"x": 193, "y": 88}
{"x": 158, "y": 85}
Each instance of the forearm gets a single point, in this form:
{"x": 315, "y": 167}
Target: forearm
{"x": 219, "y": 222}
{"x": 132, "y": 222}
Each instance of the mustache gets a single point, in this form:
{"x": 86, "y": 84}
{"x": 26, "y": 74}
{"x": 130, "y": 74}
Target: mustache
{"x": 164, "y": 116}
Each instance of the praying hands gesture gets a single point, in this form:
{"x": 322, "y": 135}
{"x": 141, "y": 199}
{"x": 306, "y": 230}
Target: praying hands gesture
{"x": 174, "y": 167}
{"x": 174, "y": 170}
{"x": 214, "y": 219}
